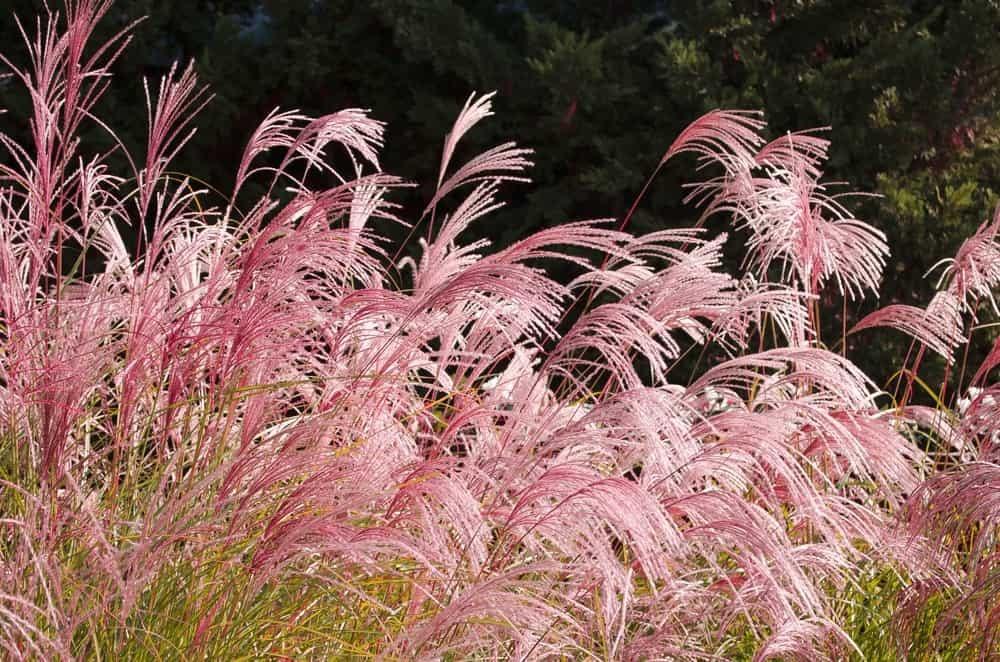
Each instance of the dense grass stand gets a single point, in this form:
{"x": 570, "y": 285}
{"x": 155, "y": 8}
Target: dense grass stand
{"x": 261, "y": 432}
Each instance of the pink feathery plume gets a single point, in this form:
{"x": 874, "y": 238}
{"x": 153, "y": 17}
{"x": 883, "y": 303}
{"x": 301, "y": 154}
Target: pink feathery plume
{"x": 305, "y": 141}
{"x": 776, "y": 374}
{"x": 801, "y": 639}
{"x": 435, "y": 502}
{"x": 474, "y": 110}
{"x": 960, "y": 510}
{"x": 500, "y": 163}
{"x": 991, "y": 361}
{"x": 100, "y": 212}
{"x": 975, "y": 269}
{"x": 589, "y": 235}
{"x": 508, "y": 607}
{"x": 941, "y": 423}
{"x": 794, "y": 222}
{"x": 760, "y": 304}
{"x": 177, "y": 104}
{"x": 794, "y": 151}
{"x": 568, "y": 500}
{"x": 279, "y": 130}
{"x": 979, "y": 412}
{"x": 442, "y": 259}
{"x": 770, "y": 582}
{"x": 351, "y": 128}
{"x": 939, "y": 326}
{"x": 730, "y": 137}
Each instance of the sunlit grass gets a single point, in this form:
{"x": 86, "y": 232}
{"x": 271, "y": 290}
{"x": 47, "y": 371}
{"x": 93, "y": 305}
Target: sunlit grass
{"x": 257, "y": 435}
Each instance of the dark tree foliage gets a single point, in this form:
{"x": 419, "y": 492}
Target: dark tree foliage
{"x": 909, "y": 88}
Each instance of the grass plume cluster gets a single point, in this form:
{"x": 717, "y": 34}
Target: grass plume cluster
{"x": 262, "y": 433}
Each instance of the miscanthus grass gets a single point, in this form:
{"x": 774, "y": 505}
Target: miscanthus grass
{"x": 259, "y": 432}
